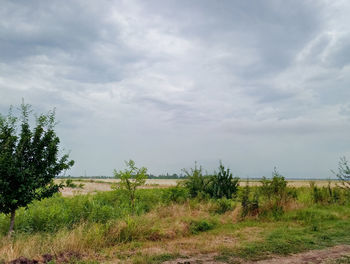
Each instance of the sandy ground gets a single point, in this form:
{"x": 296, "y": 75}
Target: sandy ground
{"x": 100, "y": 185}
{"x": 324, "y": 256}
{"x": 93, "y": 186}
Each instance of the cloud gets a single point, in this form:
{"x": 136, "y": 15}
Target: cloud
{"x": 170, "y": 82}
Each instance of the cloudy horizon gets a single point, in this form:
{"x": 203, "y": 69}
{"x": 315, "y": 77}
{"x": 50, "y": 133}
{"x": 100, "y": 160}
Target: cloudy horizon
{"x": 255, "y": 84}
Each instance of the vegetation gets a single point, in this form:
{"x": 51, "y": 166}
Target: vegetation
{"x": 344, "y": 173}
{"x": 28, "y": 160}
{"x": 70, "y": 184}
{"x": 130, "y": 179}
{"x": 168, "y": 219}
{"x": 220, "y": 184}
{"x": 202, "y": 214}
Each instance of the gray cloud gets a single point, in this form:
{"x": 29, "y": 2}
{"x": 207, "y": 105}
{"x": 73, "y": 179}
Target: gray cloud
{"x": 254, "y": 83}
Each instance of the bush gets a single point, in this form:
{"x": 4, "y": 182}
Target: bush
{"x": 250, "y": 203}
{"x": 176, "y": 194}
{"x": 195, "y": 182}
{"x": 219, "y": 185}
{"x": 276, "y": 194}
{"x": 328, "y": 195}
{"x": 343, "y": 173}
{"x": 130, "y": 179}
{"x": 275, "y": 189}
{"x": 52, "y": 214}
{"x": 200, "y": 226}
{"x": 222, "y": 184}
{"x": 223, "y": 205}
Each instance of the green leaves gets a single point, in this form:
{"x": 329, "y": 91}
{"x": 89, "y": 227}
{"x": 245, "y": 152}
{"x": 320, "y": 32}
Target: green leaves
{"x": 219, "y": 185}
{"x": 28, "y": 159}
{"x": 131, "y": 178}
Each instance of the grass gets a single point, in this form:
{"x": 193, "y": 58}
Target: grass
{"x": 167, "y": 225}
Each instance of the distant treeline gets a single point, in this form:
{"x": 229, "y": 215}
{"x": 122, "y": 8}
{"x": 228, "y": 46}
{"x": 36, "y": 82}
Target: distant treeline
{"x": 150, "y": 176}
{"x": 181, "y": 176}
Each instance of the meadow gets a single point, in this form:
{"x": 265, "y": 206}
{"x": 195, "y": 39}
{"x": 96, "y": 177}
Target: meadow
{"x": 169, "y": 224}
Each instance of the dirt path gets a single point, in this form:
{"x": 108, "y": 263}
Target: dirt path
{"x": 323, "y": 256}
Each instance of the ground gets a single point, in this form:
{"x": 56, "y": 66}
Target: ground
{"x": 338, "y": 254}
{"x": 95, "y": 185}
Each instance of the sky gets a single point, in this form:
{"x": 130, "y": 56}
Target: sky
{"x": 255, "y": 84}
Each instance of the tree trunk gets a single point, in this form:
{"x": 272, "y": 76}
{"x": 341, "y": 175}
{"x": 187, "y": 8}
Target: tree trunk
{"x": 12, "y": 222}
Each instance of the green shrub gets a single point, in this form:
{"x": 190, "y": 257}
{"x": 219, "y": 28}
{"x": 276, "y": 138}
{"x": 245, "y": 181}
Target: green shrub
{"x": 275, "y": 194}
{"x": 275, "y": 190}
{"x": 52, "y": 214}
{"x": 219, "y": 185}
{"x": 176, "y": 194}
{"x": 197, "y": 226}
{"x": 328, "y": 195}
{"x": 130, "y": 179}
{"x": 223, "y": 205}
{"x": 195, "y": 182}
{"x": 222, "y": 184}
{"x": 249, "y": 202}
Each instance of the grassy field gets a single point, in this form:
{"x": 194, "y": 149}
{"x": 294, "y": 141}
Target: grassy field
{"x": 168, "y": 225}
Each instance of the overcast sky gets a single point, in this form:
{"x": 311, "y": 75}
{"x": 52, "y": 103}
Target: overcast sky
{"x": 255, "y": 84}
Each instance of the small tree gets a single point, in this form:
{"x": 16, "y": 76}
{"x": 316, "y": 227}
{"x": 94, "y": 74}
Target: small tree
{"x": 223, "y": 184}
{"x": 195, "y": 181}
{"x": 343, "y": 173}
{"x": 275, "y": 190}
{"x": 130, "y": 179}
{"x": 28, "y": 160}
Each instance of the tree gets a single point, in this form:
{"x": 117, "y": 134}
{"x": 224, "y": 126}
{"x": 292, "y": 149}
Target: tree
{"x": 29, "y": 160}
{"x": 195, "y": 181}
{"x": 343, "y": 173}
{"x": 131, "y": 178}
{"x": 223, "y": 184}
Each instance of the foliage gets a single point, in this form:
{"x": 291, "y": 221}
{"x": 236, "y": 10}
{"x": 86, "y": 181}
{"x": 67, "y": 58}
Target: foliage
{"x": 91, "y": 223}
{"x": 327, "y": 195}
{"x": 343, "y": 173}
{"x": 57, "y": 212}
{"x": 274, "y": 189}
{"x": 175, "y": 194}
{"x": 197, "y": 226}
{"x": 250, "y": 203}
{"x": 28, "y": 160}
{"x": 70, "y": 184}
{"x": 222, "y": 184}
{"x": 223, "y": 205}
{"x": 276, "y": 193}
{"x": 219, "y": 185}
{"x": 130, "y": 179}
{"x": 195, "y": 182}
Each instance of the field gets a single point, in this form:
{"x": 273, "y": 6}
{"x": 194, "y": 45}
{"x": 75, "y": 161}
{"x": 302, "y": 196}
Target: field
{"x": 95, "y": 224}
{"x": 96, "y": 185}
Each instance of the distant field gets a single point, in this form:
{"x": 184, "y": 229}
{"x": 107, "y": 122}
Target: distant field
{"x": 100, "y": 185}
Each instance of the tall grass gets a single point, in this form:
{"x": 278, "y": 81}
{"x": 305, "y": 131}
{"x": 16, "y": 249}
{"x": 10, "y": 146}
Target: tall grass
{"x": 88, "y": 224}
{"x": 53, "y": 214}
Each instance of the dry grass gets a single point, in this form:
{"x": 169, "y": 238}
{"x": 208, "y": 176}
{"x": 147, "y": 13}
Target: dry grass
{"x": 163, "y": 230}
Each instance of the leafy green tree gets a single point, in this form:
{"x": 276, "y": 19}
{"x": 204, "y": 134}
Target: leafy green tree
{"x": 29, "y": 160}
{"x": 130, "y": 179}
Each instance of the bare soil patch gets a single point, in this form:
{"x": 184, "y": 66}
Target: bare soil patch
{"x": 323, "y": 256}
{"x": 63, "y": 257}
